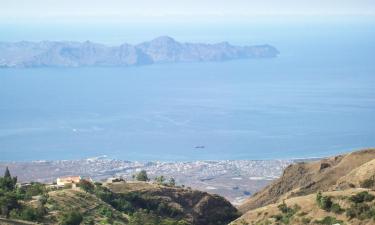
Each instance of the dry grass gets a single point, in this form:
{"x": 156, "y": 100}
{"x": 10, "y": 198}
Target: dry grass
{"x": 306, "y": 178}
{"x": 309, "y": 209}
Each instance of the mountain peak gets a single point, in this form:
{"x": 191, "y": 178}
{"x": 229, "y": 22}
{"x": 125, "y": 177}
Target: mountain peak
{"x": 164, "y": 39}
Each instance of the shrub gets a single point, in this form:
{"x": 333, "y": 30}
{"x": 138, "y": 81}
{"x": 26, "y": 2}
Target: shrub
{"x": 363, "y": 196}
{"x": 172, "y": 182}
{"x": 87, "y": 186}
{"x": 142, "y": 176}
{"x": 336, "y": 208}
{"x": 287, "y": 213}
{"x": 143, "y": 217}
{"x": 324, "y": 202}
{"x": 360, "y": 211}
{"x": 328, "y": 220}
{"x": 28, "y": 213}
{"x": 35, "y": 189}
{"x": 105, "y": 211}
{"x": 368, "y": 183}
{"x": 160, "y": 179}
{"x": 71, "y": 218}
{"x": 306, "y": 220}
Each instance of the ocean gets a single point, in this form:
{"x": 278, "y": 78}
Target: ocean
{"x": 316, "y": 99}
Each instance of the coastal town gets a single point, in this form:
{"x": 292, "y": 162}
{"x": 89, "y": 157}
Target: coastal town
{"x": 233, "y": 179}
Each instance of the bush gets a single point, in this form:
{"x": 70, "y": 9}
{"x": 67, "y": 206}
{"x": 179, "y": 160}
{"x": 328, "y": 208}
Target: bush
{"x": 28, "y": 213}
{"x": 328, "y": 220}
{"x": 35, "y": 189}
{"x": 360, "y": 211}
{"x": 306, "y": 220}
{"x": 71, "y": 218}
{"x": 363, "y": 196}
{"x": 287, "y": 213}
{"x": 87, "y": 186}
{"x": 324, "y": 202}
{"x": 336, "y": 208}
{"x": 105, "y": 211}
{"x": 368, "y": 183}
{"x": 143, "y": 217}
{"x": 172, "y": 182}
{"x": 142, "y": 176}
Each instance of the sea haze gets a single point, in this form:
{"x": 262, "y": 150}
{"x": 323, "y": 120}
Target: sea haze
{"x": 316, "y": 98}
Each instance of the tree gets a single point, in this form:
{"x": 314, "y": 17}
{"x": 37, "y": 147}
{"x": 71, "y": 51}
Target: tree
{"x": 172, "y": 182}
{"x": 8, "y": 201}
{"x": 7, "y": 173}
{"x": 8, "y": 183}
{"x": 324, "y": 202}
{"x": 87, "y": 186}
{"x": 160, "y": 179}
{"x": 142, "y": 176}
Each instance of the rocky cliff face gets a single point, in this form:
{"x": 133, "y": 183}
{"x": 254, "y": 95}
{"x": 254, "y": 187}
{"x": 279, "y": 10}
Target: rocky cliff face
{"x": 160, "y": 50}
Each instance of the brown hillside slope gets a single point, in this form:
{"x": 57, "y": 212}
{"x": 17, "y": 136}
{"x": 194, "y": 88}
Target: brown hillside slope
{"x": 306, "y": 178}
{"x": 357, "y": 176}
{"x": 307, "y": 211}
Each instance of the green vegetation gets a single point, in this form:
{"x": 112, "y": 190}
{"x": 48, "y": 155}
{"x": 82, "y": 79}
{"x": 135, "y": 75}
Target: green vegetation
{"x": 143, "y": 217}
{"x": 28, "y": 213}
{"x": 162, "y": 181}
{"x": 368, "y": 183}
{"x": 142, "y": 176}
{"x": 363, "y": 196}
{"x": 360, "y": 208}
{"x": 328, "y": 220}
{"x": 132, "y": 202}
{"x": 97, "y": 204}
{"x": 361, "y": 211}
{"x": 326, "y": 203}
{"x": 171, "y": 182}
{"x": 71, "y": 218}
{"x": 286, "y": 213}
{"x": 306, "y": 220}
{"x": 87, "y": 186}
{"x": 12, "y": 199}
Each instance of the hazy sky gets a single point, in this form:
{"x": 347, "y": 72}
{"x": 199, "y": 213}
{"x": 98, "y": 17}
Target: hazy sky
{"x": 144, "y": 10}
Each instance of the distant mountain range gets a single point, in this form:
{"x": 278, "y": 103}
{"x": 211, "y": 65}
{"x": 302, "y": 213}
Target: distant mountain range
{"x": 160, "y": 50}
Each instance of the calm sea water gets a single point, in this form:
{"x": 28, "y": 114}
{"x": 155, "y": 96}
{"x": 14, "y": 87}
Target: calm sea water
{"x": 317, "y": 98}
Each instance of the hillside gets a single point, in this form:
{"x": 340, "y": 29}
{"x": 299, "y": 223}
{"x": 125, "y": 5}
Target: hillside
{"x": 305, "y": 210}
{"x": 196, "y": 207}
{"x": 133, "y": 203}
{"x": 306, "y": 178}
{"x": 321, "y": 192}
{"x": 160, "y": 50}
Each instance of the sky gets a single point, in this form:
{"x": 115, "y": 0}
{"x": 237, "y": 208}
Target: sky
{"x": 113, "y": 21}
{"x": 167, "y": 10}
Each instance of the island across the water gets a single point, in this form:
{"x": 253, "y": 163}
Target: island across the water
{"x": 160, "y": 50}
